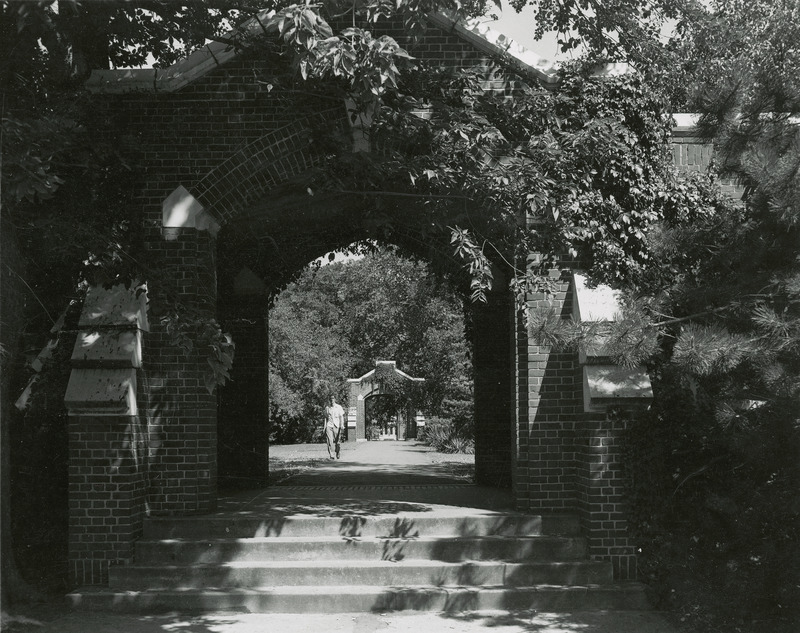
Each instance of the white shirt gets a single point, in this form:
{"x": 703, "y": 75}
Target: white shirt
{"x": 334, "y": 417}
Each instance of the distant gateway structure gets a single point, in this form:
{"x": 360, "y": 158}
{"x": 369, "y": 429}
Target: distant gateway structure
{"x": 374, "y": 383}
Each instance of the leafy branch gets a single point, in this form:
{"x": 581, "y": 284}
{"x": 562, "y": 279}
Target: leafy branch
{"x": 192, "y": 332}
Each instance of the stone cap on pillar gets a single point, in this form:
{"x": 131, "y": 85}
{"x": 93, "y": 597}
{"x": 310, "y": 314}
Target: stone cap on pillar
{"x": 107, "y": 352}
{"x": 181, "y": 210}
{"x": 108, "y": 348}
{"x": 600, "y": 306}
{"x": 605, "y": 384}
{"x": 102, "y": 392}
{"x": 610, "y": 385}
{"x": 117, "y": 307}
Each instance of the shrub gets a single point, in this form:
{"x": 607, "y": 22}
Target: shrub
{"x": 446, "y": 436}
{"x": 715, "y": 511}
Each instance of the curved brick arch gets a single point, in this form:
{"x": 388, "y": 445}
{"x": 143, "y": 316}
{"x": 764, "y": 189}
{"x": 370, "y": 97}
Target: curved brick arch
{"x": 263, "y": 165}
{"x": 244, "y": 447}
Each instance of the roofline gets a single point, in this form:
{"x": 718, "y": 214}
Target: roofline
{"x": 371, "y": 373}
{"x": 180, "y": 74}
{"x": 487, "y": 40}
{"x": 214, "y": 54}
{"x": 471, "y": 30}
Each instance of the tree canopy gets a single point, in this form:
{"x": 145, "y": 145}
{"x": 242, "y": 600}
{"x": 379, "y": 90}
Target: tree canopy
{"x": 335, "y": 322}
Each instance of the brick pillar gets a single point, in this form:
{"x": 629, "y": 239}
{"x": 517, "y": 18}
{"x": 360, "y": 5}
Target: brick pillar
{"x": 181, "y": 413}
{"x": 107, "y": 492}
{"x": 243, "y": 404}
{"x": 610, "y": 396}
{"x": 107, "y": 438}
{"x": 548, "y": 399}
{"x": 601, "y": 492}
{"x": 361, "y": 418}
{"x": 492, "y": 362}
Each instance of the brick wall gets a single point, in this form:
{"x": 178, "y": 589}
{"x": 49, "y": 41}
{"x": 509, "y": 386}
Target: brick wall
{"x": 692, "y": 154}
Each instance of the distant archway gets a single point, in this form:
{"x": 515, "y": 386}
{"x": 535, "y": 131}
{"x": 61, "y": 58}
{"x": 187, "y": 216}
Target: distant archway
{"x": 376, "y": 409}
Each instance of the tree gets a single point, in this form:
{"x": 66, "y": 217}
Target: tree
{"x": 308, "y": 358}
{"x": 335, "y": 322}
{"x": 730, "y": 350}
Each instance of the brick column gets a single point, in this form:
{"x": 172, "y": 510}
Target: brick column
{"x": 611, "y": 396}
{"x": 107, "y": 438}
{"x": 361, "y": 418}
{"x": 243, "y": 405}
{"x": 601, "y": 492}
{"x": 181, "y": 413}
{"x": 548, "y": 394}
{"x": 107, "y": 491}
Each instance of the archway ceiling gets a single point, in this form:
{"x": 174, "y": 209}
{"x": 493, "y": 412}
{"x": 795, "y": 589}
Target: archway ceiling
{"x": 288, "y": 228}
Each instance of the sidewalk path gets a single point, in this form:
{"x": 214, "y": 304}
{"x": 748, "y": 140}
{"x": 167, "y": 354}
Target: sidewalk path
{"x": 388, "y": 471}
{"x": 377, "y": 464}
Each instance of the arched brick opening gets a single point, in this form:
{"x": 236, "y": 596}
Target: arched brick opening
{"x": 257, "y": 258}
{"x": 266, "y": 224}
{"x": 368, "y": 388}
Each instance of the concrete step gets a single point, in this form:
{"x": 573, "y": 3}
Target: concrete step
{"x": 336, "y": 548}
{"x": 358, "y": 525}
{"x": 358, "y": 572}
{"x": 352, "y": 599}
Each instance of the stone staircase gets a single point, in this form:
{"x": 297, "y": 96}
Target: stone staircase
{"x": 460, "y": 559}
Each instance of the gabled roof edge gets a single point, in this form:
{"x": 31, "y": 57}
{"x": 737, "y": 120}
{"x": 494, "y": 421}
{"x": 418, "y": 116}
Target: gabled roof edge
{"x": 214, "y": 54}
{"x": 486, "y": 39}
{"x": 181, "y": 73}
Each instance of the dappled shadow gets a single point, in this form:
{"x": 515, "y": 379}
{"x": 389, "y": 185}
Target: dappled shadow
{"x": 429, "y": 599}
{"x": 531, "y": 620}
{"x": 343, "y": 473}
{"x": 318, "y": 506}
{"x": 56, "y": 618}
{"x": 352, "y": 526}
{"x": 400, "y": 533}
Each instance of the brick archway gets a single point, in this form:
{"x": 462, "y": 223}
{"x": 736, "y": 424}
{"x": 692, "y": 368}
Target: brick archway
{"x": 221, "y": 154}
{"x": 368, "y": 386}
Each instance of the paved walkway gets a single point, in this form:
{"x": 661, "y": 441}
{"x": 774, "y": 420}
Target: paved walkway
{"x": 377, "y": 464}
{"x": 370, "y": 477}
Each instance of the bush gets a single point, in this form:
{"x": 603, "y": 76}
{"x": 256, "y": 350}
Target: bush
{"x": 285, "y": 429}
{"x": 446, "y": 436}
{"x": 715, "y": 511}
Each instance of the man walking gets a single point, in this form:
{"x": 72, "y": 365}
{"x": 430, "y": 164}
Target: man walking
{"x": 334, "y": 421}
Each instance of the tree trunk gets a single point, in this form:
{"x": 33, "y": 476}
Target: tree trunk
{"x": 13, "y": 588}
